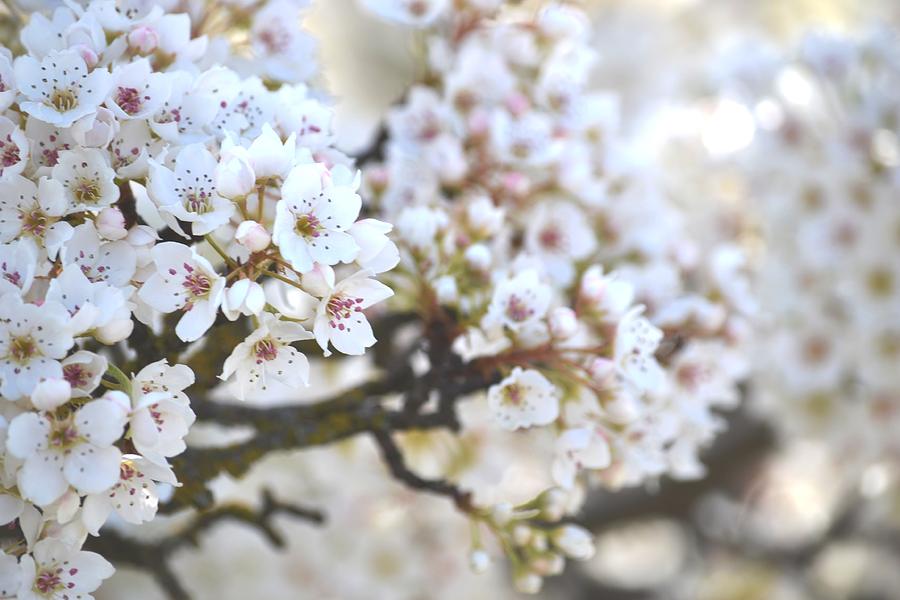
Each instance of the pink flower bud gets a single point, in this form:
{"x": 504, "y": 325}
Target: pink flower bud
{"x": 111, "y": 223}
{"x": 252, "y": 236}
{"x": 143, "y": 39}
{"x": 516, "y": 183}
{"x": 88, "y": 55}
{"x": 517, "y": 103}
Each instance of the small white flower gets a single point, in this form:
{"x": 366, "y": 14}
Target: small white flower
{"x": 339, "y": 317}
{"x": 134, "y": 497}
{"x": 87, "y": 180}
{"x": 32, "y": 340}
{"x": 523, "y": 399}
{"x": 76, "y": 449}
{"x": 60, "y": 89}
{"x": 92, "y": 305}
{"x": 635, "y": 345}
{"x": 234, "y": 176}
{"x": 14, "y": 149}
{"x": 284, "y": 50}
{"x": 576, "y": 449}
{"x": 95, "y": 130}
{"x": 137, "y": 92}
{"x": 267, "y": 355}
{"x": 33, "y": 211}
{"x": 83, "y": 370}
{"x": 519, "y": 301}
{"x": 244, "y": 297}
{"x": 269, "y": 156}
{"x": 312, "y": 218}
{"x": 189, "y": 192}
{"x": 56, "y": 569}
{"x": 18, "y": 263}
{"x": 161, "y": 413}
{"x": 377, "y": 253}
{"x": 99, "y": 260}
{"x": 558, "y": 234}
{"x": 185, "y": 281}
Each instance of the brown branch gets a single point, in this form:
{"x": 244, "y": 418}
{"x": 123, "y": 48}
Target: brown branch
{"x": 393, "y": 458}
{"x": 154, "y": 556}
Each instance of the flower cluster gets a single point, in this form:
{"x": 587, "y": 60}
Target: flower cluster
{"x": 137, "y": 181}
{"x": 563, "y": 264}
{"x": 824, "y": 172}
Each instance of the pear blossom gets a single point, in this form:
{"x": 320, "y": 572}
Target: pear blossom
{"x": 13, "y": 149}
{"x": 576, "y": 449}
{"x": 83, "y": 370}
{"x": 95, "y": 306}
{"x": 134, "y": 497}
{"x": 244, "y": 297}
{"x": 75, "y": 450}
{"x": 34, "y": 211}
{"x": 267, "y": 355}
{"x": 136, "y": 92}
{"x": 313, "y": 216}
{"x": 283, "y": 49}
{"x": 189, "y": 193}
{"x": 523, "y": 399}
{"x": 160, "y": 410}
{"x": 99, "y": 260}
{"x": 184, "y": 281}
{"x": 340, "y": 320}
{"x": 32, "y": 341}
{"x": 56, "y": 569}
{"x": 18, "y": 262}
{"x": 87, "y": 180}
{"x": 60, "y": 88}
{"x": 519, "y": 300}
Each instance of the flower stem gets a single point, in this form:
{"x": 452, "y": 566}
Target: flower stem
{"x": 215, "y": 246}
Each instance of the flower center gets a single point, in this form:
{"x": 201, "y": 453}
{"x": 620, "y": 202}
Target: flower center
{"x": 341, "y": 307}
{"x": 197, "y": 284}
{"x": 197, "y": 201}
{"x": 265, "y": 349}
{"x": 517, "y": 310}
{"x": 34, "y": 222}
{"x": 512, "y": 394}
{"x": 275, "y": 40}
{"x": 63, "y": 100}
{"x": 86, "y": 191}
{"x": 307, "y": 226}
{"x": 48, "y": 582}
{"x": 76, "y": 375}
{"x": 64, "y": 435}
{"x": 551, "y": 238}
{"x": 22, "y": 349}
{"x": 127, "y": 470}
{"x": 128, "y": 99}
{"x": 10, "y": 155}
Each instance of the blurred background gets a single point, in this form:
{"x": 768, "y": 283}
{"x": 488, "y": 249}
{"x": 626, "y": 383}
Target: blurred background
{"x": 752, "y": 114}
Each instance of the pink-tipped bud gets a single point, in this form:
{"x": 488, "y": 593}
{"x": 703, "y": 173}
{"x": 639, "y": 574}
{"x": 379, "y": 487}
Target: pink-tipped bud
{"x": 110, "y": 223}
{"x": 88, "y": 55}
{"x": 516, "y": 183}
{"x": 235, "y": 177}
{"x": 252, "y": 236}
{"x": 143, "y": 39}
{"x": 517, "y": 103}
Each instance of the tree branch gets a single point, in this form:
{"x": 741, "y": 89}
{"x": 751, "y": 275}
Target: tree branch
{"x": 154, "y": 556}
